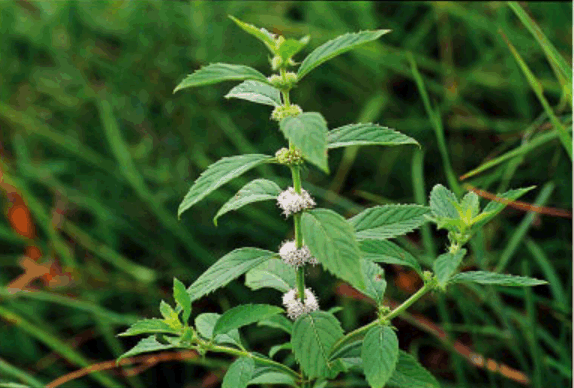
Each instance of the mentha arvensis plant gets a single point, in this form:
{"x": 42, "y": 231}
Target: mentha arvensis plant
{"x": 350, "y": 249}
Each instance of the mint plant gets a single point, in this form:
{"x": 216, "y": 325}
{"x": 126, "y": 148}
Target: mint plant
{"x": 350, "y": 249}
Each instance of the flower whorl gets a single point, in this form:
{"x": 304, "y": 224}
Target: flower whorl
{"x": 291, "y": 202}
{"x": 296, "y": 257}
{"x": 294, "y": 306}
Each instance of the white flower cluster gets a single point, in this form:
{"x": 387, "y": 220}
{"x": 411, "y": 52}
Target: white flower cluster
{"x": 294, "y": 306}
{"x": 291, "y": 202}
{"x": 296, "y": 257}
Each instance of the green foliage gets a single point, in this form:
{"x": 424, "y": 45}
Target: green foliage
{"x": 257, "y": 92}
{"x": 205, "y": 324}
{"x": 308, "y": 132}
{"x": 220, "y": 72}
{"x": 384, "y": 222}
{"x": 409, "y": 373}
{"x": 498, "y": 279}
{"x": 146, "y": 345}
{"x": 336, "y": 47}
{"x": 255, "y": 191}
{"x": 219, "y": 174}
{"x": 239, "y": 373}
{"x": 244, "y": 315}
{"x": 182, "y": 299}
{"x": 366, "y": 134}
{"x": 446, "y": 264}
{"x": 330, "y": 239}
{"x": 379, "y": 353}
{"x": 382, "y": 251}
{"x": 375, "y": 284}
{"x": 271, "y": 274}
{"x": 226, "y": 269}
{"x": 313, "y": 336}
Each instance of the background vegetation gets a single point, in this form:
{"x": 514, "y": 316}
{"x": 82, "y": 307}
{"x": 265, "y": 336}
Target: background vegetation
{"x": 97, "y": 153}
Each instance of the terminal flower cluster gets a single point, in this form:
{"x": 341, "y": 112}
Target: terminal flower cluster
{"x": 296, "y": 308}
{"x": 291, "y": 202}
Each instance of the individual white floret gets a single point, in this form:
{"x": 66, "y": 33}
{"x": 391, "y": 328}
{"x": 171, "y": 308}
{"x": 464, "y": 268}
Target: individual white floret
{"x": 294, "y": 306}
{"x": 296, "y": 257}
{"x": 291, "y": 202}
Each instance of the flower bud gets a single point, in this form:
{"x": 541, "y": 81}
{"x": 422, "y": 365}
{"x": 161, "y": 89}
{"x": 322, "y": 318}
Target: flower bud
{"x": 281, "y": 112}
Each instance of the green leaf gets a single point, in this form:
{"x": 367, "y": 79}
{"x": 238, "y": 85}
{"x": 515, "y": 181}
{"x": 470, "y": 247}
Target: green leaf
{"x": 380, "y": 353}
{"x": 330, "y": 239}
{"x": 266, "y": 375}
{"x": 470, "y": 205}
{"x": 308, "y": 132}
{"x": 440, "y": 202}
{"x": 204, "y": 323}
{"x": 171, "y": 317}
{"x": 219, "y": 72}
{"x": 244, "y": 315}
{"x": 182, "y": 299}
{"x": 228, "y": 268}
{"x": 278, "y": 322}
{"x": 146, "y": 326}
{"x": 336, "y": 47}
{"x": 277, "y": 348}
{"x": 388, "y": 221}
{"x": 366, "y": 134}
{"x": 218, "y": 174}
{"x": 446, "y": 264}
{"x": 382, "y": 251}
{"x": 148, "y": 344}
{"x": 260, "y": 33}
{"x": 375, "y": 284}
{"x": 313, "y": 336}
{"x": 482, "y": 277}
{"x": 239, "y": 373}
{"x": 290, "y": 47}
{"x": 493, "y": 207}
{"x": 255, "y": 191}
{"x": 257, "y": 92}
{"x": 271, "y": 274}
{"x": 409, "y": 373}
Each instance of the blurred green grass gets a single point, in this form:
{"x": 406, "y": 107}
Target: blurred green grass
{"x": 89, "y": 125}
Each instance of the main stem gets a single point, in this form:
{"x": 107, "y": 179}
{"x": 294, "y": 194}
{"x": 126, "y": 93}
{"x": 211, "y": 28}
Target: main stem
{"x": 300, "y": 274}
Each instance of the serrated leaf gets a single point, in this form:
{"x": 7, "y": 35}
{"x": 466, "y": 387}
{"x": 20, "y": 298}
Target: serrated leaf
{"x": 277, "y": 348}
{"x": 146, "y": 326}
{"x": 220, "y": 72}
{"x": 266, "y": 375}
{"x": 228, "y": 268}
{"x": 255, "y": 191}
{"x": 446, "y": 264}
{"x": 350, "y": 350}
{"x": 260, "y": 33}
{"x": 336, "y": 47}
{"x": 366, "y": 134}
{"x": 483, "y": 277}
{"x": 218, "y": 174}
{"x": 170, "y": 316}
{"x": 257, "y": 92}
{"x": 244, "y": 315}
{"x": 148, "y": 344}
{"x": 271, "y": 274}
{"x": 313, "y": 336}
{"x": 493, "y": 208}
{"x": 290, "y": 47}
{"x": 375, "y": 283}
{"x": 440, "y": 202}
{"x": 182, "y": 299}
{"x": 204, "y": 323}
{"x": 388, "y": 221}
{"x": 278, "y": 322}
{"x": 379, "y": 353}
{"x": 409, "y": 373}
{"x": 470, "y": 205}
{"x": 330, "y": 239}
{"x": 308, "y": 132}
{"x": 382, "y": 251}
{"x": 239, "y": 373}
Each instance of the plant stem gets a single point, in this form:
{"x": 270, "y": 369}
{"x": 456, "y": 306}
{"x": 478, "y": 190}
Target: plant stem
{"x": 405, "y": 305}
{"x": 241, "y": 353}
{"x": 300, "y": 273}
